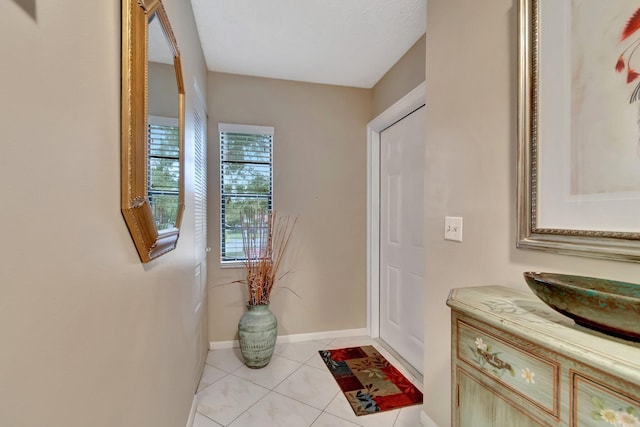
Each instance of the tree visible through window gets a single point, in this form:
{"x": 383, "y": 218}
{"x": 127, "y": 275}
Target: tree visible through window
{"x": 246, "y": 182}
{"x": 163, "y": 168}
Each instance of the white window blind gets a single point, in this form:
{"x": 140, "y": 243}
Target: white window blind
{"x": 200, "y": 184}
{"x": 246, "y": 182}
{"x": 163, "y": 170}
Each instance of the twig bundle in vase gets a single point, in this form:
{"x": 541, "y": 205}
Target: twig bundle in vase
{"x": 264, "y": 240}
{"x": 264, "y": 247}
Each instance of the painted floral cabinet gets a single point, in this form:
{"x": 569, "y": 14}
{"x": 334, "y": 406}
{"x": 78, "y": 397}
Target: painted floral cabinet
{"x": 516, "y": 362}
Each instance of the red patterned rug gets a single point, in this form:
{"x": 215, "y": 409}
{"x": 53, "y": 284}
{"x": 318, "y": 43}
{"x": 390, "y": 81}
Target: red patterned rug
{"x": 369, "y": 382}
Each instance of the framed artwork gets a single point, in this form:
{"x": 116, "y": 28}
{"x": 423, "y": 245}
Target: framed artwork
{"x": 579, "y": 127}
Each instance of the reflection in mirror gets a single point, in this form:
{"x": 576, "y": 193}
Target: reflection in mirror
{"x": 152, "y": 129}
{"x": 163, "y": 166}
{"x": 163, "y": 154}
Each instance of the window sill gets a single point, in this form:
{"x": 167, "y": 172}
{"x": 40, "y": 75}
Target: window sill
{"x": 231, "y": 264}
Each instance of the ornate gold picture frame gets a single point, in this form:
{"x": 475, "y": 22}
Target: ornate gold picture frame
{"x": 575, "y": 194}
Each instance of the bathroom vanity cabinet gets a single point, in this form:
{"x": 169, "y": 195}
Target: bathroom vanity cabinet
{"x": 518, "y": 363}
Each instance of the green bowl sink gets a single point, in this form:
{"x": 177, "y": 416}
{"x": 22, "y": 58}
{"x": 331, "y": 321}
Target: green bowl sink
{"x": 605, "y": 305}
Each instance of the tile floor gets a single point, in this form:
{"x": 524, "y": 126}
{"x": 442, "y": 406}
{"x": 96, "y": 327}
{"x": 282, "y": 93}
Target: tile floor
{"x": 294, "y": 390}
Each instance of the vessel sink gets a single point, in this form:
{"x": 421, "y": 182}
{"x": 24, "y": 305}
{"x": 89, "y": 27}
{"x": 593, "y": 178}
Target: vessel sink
{"x": 607, "y": 306}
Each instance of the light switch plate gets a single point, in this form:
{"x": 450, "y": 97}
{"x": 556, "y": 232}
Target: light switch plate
{"x": 453, "y": 228}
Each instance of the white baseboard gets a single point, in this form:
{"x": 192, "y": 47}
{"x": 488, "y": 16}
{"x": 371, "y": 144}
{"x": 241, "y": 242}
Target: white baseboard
{"x": 285, "y": 339}
{"x": 425, "y": 420}
{"x": 192, "y": 412}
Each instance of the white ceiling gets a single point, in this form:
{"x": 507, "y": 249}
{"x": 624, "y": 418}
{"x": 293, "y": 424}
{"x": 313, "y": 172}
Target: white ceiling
{"x": 340, "y": 42}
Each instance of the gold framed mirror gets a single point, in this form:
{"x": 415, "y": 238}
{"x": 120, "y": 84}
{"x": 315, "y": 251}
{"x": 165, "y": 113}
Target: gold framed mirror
{"x": 152, "y": 129}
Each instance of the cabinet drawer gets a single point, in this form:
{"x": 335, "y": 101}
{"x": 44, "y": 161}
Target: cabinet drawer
{"x": 532, "y": 377}
{"x": 599, "y": 405}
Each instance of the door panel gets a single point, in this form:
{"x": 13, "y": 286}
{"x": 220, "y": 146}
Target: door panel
{"x": 401, "y": 237}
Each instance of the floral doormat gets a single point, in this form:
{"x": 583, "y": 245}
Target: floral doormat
{"x": 369, "y": 382}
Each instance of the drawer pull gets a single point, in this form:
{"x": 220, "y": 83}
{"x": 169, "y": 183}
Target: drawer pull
{"x": 494, "y": 360}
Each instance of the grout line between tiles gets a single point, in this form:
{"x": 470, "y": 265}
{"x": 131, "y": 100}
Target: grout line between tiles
{"x": 327, "y": 405}
{"x": 292, "y": 360}
{"x": 287, "y": 377}
{"x": 396, "y": 420}
{"x": 299, "y": 401}
{"x": 316, "y": 419}
{"x": 209, "y": 418}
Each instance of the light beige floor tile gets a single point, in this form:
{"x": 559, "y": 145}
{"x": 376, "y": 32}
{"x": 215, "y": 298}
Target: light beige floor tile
{"x": 328, "y": 420}
{"x": 340, "y": 408}
{"x": 299, "y": 351}
{"x": 303, "y": 387}
{"x": 275, "y": 410}
{"x": 324, "y": 341}
{"x": 209, "y": 376}
{"x": 316, "y": 362}
{"x": 309, "y": 385}
{"x": 227, "y": 398}
{"x": 271, "y": 375}
{"x": 202, "y": 421}
{"x": 409, "y": 416}
{"x": 227, "y": 359}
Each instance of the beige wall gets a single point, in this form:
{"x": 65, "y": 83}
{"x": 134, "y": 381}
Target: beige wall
{"x": 163, "y": 90}
{"x": 470, "y": 172}
{"x": 401, "y": 79}
{"x": 90, "y": 336}
{"x": 320, "y": 175}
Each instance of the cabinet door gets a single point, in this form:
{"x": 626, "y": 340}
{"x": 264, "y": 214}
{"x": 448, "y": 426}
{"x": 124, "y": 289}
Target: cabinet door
{"x": 479, "y": 406}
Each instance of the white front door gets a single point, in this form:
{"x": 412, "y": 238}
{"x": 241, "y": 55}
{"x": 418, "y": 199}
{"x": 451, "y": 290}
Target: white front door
{"x": 402, "y": 159}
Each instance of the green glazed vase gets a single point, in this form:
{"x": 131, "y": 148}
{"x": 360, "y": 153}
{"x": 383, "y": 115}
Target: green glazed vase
{"x": 257, "y": 331}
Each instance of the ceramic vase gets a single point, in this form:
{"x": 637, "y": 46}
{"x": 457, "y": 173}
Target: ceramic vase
{"x": 257, "y": 331}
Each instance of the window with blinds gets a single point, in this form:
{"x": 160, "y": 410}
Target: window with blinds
{"x": 163, "y": 169}
{"x": 200, "y": 184}
{"x": 246, "y": 183}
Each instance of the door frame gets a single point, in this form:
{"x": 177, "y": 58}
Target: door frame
{"x": 410, "y": 102}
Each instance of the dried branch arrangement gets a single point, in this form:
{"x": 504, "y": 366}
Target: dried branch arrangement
{"x": 264, "y": 246}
